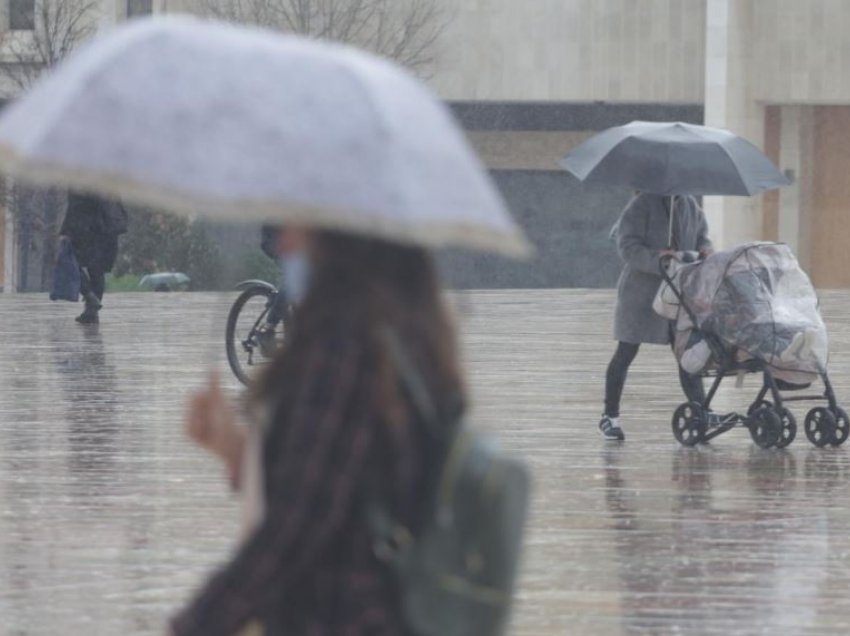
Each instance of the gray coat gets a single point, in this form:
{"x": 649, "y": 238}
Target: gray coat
{"x": 641, "y": 234}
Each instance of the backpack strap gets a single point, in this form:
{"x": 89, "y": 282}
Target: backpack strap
{"x": 390, "y": 539}
{"x": 412, "y": 382}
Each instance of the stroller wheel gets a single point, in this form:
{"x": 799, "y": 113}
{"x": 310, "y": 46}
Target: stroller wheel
{"x": 766, "y": 427}
{"x": 689, "y": 424}
{"x": 842, "y": 427}
{"x": 789, "y": 427}
{"x": 820, "y": 426}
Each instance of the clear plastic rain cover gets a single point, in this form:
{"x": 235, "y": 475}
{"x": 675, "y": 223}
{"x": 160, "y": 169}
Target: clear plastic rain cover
{"x": 757, "y": 300}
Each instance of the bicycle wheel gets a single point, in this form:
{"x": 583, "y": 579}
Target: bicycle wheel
{"x": 246, "y": 316}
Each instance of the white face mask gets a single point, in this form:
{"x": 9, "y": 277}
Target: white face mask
{"x": 296, "y": 276}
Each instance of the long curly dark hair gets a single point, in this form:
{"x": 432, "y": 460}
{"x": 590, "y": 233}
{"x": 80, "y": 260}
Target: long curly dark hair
{"x": 361, "y": 286}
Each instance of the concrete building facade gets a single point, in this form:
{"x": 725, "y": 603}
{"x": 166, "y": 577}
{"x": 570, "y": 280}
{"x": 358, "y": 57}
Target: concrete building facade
{"x": 529, "y": 80}
{"x": 774, "y": 71}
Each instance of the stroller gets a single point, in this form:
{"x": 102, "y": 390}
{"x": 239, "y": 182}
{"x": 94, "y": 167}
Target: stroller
{"x": 750, "y": 310}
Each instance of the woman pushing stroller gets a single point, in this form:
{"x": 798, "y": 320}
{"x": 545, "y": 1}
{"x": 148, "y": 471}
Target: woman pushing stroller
{"x": 670, "y": 158}
{"x": 650, "y": 227}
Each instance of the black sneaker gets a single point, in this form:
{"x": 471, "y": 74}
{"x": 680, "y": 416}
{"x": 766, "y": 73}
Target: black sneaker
{"x": 610, "y": 429}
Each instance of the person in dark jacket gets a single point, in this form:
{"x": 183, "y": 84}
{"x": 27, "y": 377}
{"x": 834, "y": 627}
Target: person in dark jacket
{"x": 93, "y": 225}
{"x": 337, "y": 423}
{"x": 650, "y": 226}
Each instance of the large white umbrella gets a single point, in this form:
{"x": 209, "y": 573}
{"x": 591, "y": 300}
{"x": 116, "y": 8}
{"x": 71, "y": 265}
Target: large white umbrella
{"x": 227, "y": 122}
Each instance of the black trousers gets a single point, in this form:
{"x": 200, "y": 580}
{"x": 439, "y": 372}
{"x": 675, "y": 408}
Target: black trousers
{"x": 618, "y": 369}
{"x": 278, "y": 308}
{"x": 92, "y": 280}
{"x": 96, "y": 254}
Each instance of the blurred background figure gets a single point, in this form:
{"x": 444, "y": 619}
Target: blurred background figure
{"x": 270, "y": 236}
{"x": 93, "y": 225}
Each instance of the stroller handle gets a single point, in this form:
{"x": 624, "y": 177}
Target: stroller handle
{"x": 663, "y": 261}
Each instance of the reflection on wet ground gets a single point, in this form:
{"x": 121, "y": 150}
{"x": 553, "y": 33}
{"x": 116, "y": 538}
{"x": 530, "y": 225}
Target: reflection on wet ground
{"x": 109, "y": 518}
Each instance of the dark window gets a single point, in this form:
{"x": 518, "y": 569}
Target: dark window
{"x": 21, "y": 15}
{"x": 139, "y": 7}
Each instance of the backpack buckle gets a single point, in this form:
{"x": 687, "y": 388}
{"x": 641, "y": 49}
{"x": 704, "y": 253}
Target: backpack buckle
{"x": 388, "y": 547}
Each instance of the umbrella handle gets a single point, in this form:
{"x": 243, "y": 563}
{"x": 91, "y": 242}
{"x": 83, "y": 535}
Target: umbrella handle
{"x": 670, "y": 225}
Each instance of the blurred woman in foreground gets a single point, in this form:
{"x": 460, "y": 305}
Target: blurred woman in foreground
{"x": 333, "y": 424}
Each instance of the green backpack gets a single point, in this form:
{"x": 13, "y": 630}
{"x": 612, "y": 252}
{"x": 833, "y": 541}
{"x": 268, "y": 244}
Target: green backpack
{"x": 456, "y": 575}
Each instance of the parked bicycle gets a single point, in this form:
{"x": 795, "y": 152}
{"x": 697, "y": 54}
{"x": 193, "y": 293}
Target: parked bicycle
{"x": 252, "y": 335}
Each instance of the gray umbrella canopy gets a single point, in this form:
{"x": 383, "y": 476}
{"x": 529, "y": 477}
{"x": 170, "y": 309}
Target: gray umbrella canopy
{"x": 234, "y": 123}
{"x": 673, "y": 159}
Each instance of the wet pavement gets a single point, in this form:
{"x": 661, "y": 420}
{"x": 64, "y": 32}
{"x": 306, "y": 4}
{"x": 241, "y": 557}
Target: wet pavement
{"x": 109, "y": 517}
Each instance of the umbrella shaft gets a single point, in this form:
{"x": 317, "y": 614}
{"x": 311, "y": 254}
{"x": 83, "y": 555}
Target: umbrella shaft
{"x": 670, "y": 227}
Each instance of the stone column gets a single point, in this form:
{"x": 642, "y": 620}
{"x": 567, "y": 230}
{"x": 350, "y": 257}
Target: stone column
{"x": 728, "y": 104}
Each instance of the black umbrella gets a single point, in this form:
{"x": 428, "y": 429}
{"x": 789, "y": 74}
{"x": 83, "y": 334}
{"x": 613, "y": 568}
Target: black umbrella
{"x": 673, "y": 158}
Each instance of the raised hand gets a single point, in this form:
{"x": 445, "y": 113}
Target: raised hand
{"x": 211, "y": 423}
